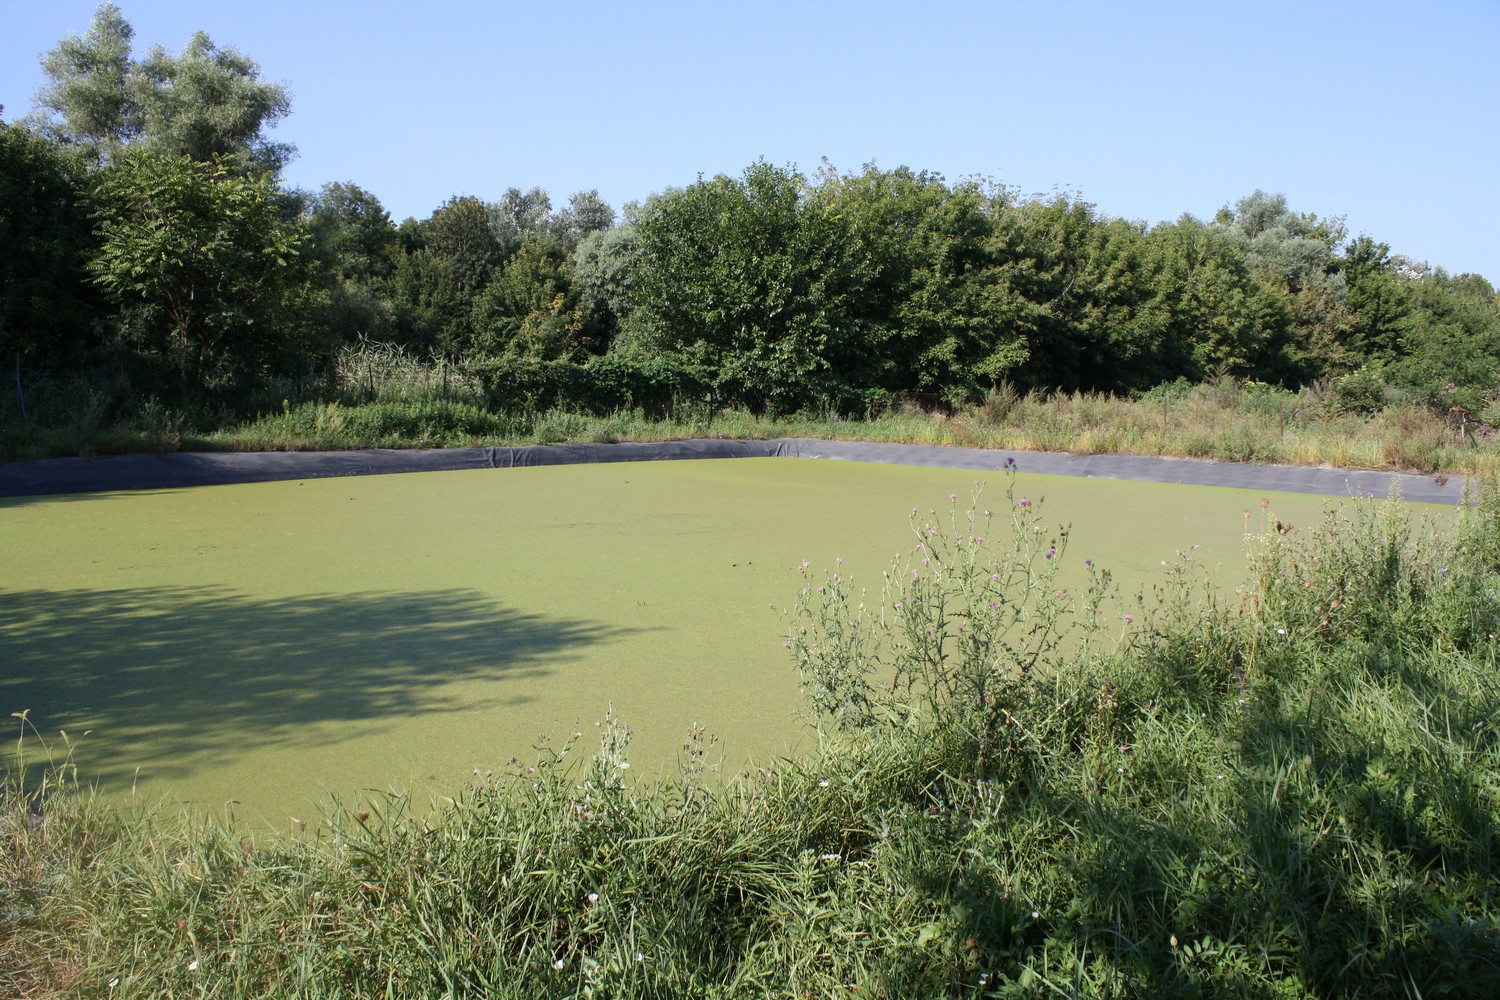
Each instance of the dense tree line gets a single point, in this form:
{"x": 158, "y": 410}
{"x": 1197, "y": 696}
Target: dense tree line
{"x": 146, "y": 229}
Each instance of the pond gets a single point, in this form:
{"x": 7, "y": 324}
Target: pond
{"x": 259, "y": 647}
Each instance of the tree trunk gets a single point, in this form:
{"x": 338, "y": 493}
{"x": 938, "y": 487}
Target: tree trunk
{"x": 20, "y": 395}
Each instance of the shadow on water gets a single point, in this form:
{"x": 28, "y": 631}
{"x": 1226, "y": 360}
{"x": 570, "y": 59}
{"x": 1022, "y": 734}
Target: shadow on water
{"x": 201, "y": 675}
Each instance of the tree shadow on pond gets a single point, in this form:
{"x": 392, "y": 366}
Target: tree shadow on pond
{"x": 203, "y": 675}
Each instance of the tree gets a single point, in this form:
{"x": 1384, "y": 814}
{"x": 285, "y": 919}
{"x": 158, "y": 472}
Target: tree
{"x": 1091, "y": 320}
{"x": 1450, "y": 342}
{"x": 922, "y": 305}
{"x": 47, "y": 308}
{"x": 459, "y": 232}
{"x": 530, "y": 310}
{"x": 1223, "y": 317}
{"x": 603, "y": 277}
{"x": 356, "y": 247}
{"x": 587, "y": 213}
{"x": 353, "y": 231}
{"x": 91, "y": 90}
{"x": 518, "y": 215}
{"x": 210, "y": 102}
{"x": 742, "y": 278}
{"x": 458, "y": 246}
{"x": 1377, "y": 296}
{"x": 207, "y": 102}
{"x": 429, "y": 314}
{"x": 201, "y": 252}
{"x": 1296, "y": 253}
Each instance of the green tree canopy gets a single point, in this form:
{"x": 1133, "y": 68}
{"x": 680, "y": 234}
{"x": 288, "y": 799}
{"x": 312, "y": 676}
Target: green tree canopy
{"x": 587, "y": 213}
{"x": 354, "y": 232}
{"x": 47, "y": 309}
{"x": 923, "y": 259}
{"x": 743, "y": 278}
{"x": 203, "y": 258}
{"x": 203, "y": 103}
{"x": 91, "y": 94}
{"x": 603, "y": 277}
{"x": 1222, "y": 317}
{"x": 530, "y": 310}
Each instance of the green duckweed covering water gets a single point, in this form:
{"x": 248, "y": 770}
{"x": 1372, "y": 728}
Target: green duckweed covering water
{"x": 268, "y": 644}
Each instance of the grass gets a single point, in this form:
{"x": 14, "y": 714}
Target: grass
{"x": 381, "y": 398}
{"x": 1213, "y": 423}
{"x": 1286, "y": 791}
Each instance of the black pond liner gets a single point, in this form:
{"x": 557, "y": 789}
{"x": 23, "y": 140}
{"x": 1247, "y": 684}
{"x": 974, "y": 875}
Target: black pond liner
{"x": 53, "y": 476}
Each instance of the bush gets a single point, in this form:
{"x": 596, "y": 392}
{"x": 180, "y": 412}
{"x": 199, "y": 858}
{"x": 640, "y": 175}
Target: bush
{"x": 1361, "y": 391}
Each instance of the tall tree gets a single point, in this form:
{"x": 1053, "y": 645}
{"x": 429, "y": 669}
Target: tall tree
{"x": 741, "y": 277}
{"x": 459, "y": 246}
{"x": 530, "y": 310}
{"x": 923, "y": 304}
{"x": 586, "y": 213}
{"x": 356, "y": 247}
{"x": 430, "y": 317}
{"x": 204, "y": 256}
{"x": 1222, "y": 317}
{"x": 604, "y": 279}
{"x": 354, "y": 232}
{"x": 90, "y": 100}
{"x": 459, "y": 232}
{"x": 211, "y": 102}
{"x": 517, "y": 215}
{"x": 1378, "y": 296}
{"x": 1451, "y": 340}
{"x": 47, "y": 308}
{"x": 206, "y": 102}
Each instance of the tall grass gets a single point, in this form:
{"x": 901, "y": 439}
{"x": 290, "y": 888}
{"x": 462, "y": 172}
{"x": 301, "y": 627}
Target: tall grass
{"x": 378, "y": 396}
{"x": 84, "y": 413}
{"x": 1019, "y": 791}
{"x": 1223, "y": 421}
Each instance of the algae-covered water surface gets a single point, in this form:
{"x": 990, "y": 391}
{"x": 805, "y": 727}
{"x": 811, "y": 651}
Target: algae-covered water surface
{"x": 267, "y": 644}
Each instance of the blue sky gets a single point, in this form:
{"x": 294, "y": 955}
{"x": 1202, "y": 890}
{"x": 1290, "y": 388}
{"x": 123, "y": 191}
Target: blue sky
{"x": 1385, "y": 113}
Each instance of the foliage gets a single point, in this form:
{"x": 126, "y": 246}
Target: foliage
{"x": 744, "y": 279}
{"x": 202, "y": 256}
{"x": 430, "y": 313}
{"x": 1451, "y": 341}
{"x": 780, "y": 292}
{"x": 91, "y": 86}
{"x": 587, "y": 213}
{"x": 603, "y": 276}
{"x": 209, "y": 102}
{"x": 206, "y": 103}
{"x": 517, "y": 215}
{"x": 529, "y": 310}
{"x": 354, "y": 232}
{"x": 47, "y": 309}
{"x": 1221, "y": 316}
{"x": 943, "y": 320}
{"x": 459, "y": 232}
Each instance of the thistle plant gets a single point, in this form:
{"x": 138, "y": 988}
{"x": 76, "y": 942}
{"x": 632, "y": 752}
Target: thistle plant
{"x": 963, "y": 623}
